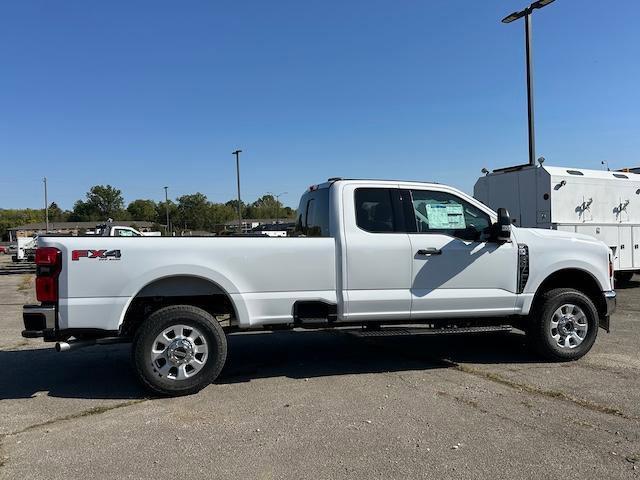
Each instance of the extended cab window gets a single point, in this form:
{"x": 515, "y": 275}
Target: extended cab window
{"x": 441, "y": 212}
{"x": 374, "y": 210}
{"x": 313, "y": 214}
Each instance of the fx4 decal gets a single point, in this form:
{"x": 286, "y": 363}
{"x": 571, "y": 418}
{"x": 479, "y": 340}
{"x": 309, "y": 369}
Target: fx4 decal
{"x": 99, "y": 254}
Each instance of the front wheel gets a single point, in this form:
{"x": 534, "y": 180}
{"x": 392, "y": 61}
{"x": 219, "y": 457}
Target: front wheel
{"x": 563, "y": 325}
{"x": 179, "y": 350}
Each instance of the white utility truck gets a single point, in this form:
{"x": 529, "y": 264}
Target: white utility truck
{"x": 25, "y": 249}
{"x": 110, "y": 230}
{"x": 369, "y": 253}
{"x": 603, "y": 204}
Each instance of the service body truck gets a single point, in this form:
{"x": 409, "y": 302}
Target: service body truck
{"x": 369, "y": 253}
{"x": 603, "y": 204}
{"x": 25, "y": 249}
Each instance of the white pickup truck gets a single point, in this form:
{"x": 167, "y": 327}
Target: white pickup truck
{"x": 369, "y": 253}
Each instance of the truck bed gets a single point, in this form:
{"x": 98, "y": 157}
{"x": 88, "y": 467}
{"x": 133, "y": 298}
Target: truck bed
{"x": 264, "y": 277}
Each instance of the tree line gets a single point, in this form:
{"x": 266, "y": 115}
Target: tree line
{"x": 188, "y": 212}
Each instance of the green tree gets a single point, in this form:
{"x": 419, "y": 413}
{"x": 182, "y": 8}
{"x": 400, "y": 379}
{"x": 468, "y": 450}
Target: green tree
{"x": 161, "y": 212}
{"x": 219, "y": 213}
{"x": 102, "y": 202}
{"x": 106, "y": 200}
{"x": 82, "y": 212}
{"x": 234, "y": 204}
{"x": 192, "y": 211}
{"x": 10, "y": 218}
{"x": 143, "y": 210}
{"x": 268, "y": 206}
{"x": 56, "y": 214}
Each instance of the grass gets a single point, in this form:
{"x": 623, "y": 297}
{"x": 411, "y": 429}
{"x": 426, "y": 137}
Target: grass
{"x": 85, "y": 413}
{"x": 26, "y": 283}
{"x": 544, "y": 392}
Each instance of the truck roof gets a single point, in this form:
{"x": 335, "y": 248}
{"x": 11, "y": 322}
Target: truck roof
{"x": 333, "y": 180}
{"x": 571, "y": 171}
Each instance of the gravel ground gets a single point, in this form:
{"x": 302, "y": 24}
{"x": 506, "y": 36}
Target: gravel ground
{"x": 328, "y": 405}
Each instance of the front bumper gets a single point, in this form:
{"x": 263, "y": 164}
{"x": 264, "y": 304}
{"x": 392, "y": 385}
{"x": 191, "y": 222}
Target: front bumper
{"x": 39, "y": 321}
{"x": 610, "y": 307}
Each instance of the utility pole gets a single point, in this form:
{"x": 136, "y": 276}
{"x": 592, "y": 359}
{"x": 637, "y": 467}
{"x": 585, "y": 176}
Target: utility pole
{"x": 166, "y": 206}
{"x": 46, "y": 205}
{"x": 237, "y": 154}
{"x": 526, "y": 13}
{"x": 277, "y": 197}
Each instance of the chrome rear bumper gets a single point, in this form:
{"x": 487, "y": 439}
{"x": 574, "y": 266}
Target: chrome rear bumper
{"x": 39, "y": 320}
{"x": 610, "y": 299}
{"x": 610, "y": 307}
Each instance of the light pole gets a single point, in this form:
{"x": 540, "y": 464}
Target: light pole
{"x": 46, "y": 205}
{"x": 526, "y": 13}
{"x": 166, "y": 206}
{"x": 277, "y": 197}
{"x": 237, "y": 154}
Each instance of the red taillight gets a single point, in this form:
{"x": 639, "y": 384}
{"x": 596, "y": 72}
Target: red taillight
{"x": 48, "y": 266}
{"x": 47, "y": 256}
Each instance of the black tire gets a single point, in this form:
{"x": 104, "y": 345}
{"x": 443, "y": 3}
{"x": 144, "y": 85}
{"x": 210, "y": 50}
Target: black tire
{"x": 539, "y": 328}
{"x": 623, "y": 278}
{"x": 150, "y": 374}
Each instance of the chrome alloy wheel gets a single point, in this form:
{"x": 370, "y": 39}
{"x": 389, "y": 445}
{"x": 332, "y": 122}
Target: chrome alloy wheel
{"x": 569, "y": 326}
{"x": 179, "y": 352}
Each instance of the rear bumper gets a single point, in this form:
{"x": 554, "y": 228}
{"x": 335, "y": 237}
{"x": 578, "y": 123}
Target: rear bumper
{"x": 610, "y": 307}
{"x": 610, "y": 299}
{"x": 39, "y": 321}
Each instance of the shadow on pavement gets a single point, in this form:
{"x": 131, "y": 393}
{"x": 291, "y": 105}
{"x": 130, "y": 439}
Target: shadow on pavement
{"x": 104, "y": 372}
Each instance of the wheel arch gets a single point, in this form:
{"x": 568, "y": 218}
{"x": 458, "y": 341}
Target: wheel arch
{"x": 578, "y": 279}
{"x": 174, "y": 289}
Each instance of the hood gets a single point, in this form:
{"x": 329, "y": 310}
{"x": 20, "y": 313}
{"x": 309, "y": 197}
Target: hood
{"x": 546, "y": 234}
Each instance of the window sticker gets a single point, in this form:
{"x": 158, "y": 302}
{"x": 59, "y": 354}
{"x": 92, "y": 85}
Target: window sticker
{"x": 446, "y": 216}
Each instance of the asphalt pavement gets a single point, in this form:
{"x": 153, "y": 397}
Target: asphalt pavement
{"x": 326, "y": 404}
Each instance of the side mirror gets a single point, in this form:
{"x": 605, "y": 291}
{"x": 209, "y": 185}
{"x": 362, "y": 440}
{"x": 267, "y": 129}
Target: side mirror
{"x": 503, "y": 225}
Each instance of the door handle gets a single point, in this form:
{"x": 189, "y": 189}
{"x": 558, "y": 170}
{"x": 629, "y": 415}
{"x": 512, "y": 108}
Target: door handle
{"x": 429, "y": 251}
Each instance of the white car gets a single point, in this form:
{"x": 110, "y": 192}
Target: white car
{"x": 368, "y": 252}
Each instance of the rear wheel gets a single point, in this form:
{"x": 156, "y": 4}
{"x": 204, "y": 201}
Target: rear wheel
{"x": 563, "y": 325}
{"x": 179, "y": 350}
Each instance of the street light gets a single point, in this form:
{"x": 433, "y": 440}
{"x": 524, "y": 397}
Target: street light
{"x": 46, "y": 205}
{"x": 277, "y": 197}
{"x": 166, "y": 206}
{"x": 237, "y": 154}
{"x": 526, "y": 13}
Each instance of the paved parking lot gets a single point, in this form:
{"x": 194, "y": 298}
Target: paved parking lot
{"x": 326, "y": 405}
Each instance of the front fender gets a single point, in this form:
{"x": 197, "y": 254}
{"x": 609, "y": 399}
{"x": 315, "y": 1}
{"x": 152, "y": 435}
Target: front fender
{"x": 539, "y": 275}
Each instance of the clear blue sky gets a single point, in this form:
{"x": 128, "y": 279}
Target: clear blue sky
{"x": 150, "y": 93}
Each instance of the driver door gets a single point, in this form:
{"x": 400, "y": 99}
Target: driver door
{"x": 456, "y": 271}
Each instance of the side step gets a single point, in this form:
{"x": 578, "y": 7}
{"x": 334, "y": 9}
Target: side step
{"x": 405, "y": 331}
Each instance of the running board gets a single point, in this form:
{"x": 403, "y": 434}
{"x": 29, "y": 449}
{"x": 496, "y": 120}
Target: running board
{"x": 399, "y": 332}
